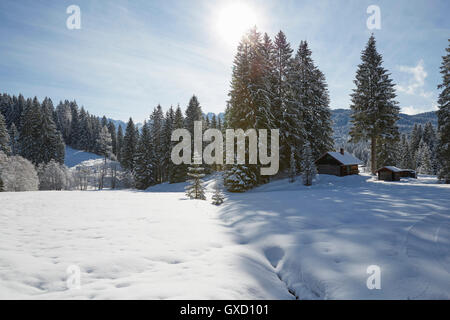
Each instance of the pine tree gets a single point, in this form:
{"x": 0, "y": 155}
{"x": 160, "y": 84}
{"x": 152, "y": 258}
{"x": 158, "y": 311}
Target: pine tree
{"x": 129, "y": 147}
{"x": 196, "y": 190}
{"x": 374, "y": 110}
{"x": 112, "y": 132}
{"x": 30, "y": 135}
{"x": 167, "y": 164}
{"x": 51, "y": 141}
{"x": 309, "y": 170}
{"x": 119, "y": 143}
{"x": 249, "y": 105}
{"x": 310, "y": 113}
{"x": 4, "y": 137}
{"x": 218, "y": 196}
{"x": 104, "y": 143}
{"x": 143, "y": 170}
{"x": 293, "y": 166}
{"x": 284, "y": 111}
{"x": 416, "y": 137}
{"x": 444, "y": 119}
{"x": 178, "y": 172}
{"x": 423, "y": 159}
{"x": 14, "y": 140}
{"x": 405, "y": 159}
{"x": 156, "y": 132}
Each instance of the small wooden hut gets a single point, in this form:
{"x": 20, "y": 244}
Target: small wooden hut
{"x": 338, "y": 164}
{"x": 391, "y": 173}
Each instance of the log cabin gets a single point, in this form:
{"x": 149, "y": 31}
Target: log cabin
{"x": 391, "y": 173}
{"x": 338, "y": 163}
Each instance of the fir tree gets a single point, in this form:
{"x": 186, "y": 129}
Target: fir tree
{"x": 168, "y": 126}
{"x": 14, "y": 140}
{"x": 143, "y": 170}
{"x": 416, "y": 137}
{"x": 310, "y": 105}
{"x": 4, "y": 137}
{"x": 178, "y": 172}
{"x": 309, "y": 170}
{"x": 293, "y": 166}
{"x": 30, "y": 135}
{"x": 50, "y": 140}
{"x": 119, "y": 143}
{"x": 217, "y": 196}
{"x": 129, "y": 146}
{"x": 196, "y": 190}
{"x": 249, "y": 105}
{"x": 405, "y": 159}
{"x": 112, "y": 132}
{"x": 444, "y": 119}
{"x": 374, "y": 110}
{"x": 423, "y": 159}
{"x": 104, "y": 143}
{"x": 156, "y": 132}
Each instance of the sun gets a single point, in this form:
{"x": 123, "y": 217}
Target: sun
{"x": 233, "y": 20}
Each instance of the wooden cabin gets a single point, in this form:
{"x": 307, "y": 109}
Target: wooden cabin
{"x": 391, "y": 173}
{"x": 338, "y": 164}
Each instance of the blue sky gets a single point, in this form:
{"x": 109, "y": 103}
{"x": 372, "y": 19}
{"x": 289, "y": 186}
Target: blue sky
{"x": 131, "y": 55}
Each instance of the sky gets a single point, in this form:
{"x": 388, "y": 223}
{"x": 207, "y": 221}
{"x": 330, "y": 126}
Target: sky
{"x": 129, "y": 56}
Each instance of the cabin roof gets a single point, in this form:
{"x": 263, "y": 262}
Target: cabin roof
{"x": 344, "y": 159}
{"x": 394, "y": 169}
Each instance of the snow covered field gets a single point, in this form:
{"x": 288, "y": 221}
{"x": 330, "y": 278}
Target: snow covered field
{"x": 274, "y": 242}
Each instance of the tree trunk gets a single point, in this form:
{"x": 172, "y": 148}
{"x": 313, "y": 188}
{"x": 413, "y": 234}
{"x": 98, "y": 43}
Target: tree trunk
{"x": 373, "y": 155}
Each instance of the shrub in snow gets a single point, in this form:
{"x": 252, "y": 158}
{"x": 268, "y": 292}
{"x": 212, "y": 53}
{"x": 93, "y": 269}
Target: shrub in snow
{"x": 196, "y": 190}
{"x": 54, "y": 176}
{"x": 239, "y": 178}
{"x": 18, "y": 174}
{"x": 308, "y": 166}
{"x": 218, "y": 195}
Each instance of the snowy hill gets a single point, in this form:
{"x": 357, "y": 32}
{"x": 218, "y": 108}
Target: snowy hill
{"x": 75, "y": 157}
{"x": 278, "y": 241}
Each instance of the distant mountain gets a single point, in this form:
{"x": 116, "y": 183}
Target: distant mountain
{"x": 341, "y": 122}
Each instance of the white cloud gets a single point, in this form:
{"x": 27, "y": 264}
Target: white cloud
{"x": 416, "y": 83}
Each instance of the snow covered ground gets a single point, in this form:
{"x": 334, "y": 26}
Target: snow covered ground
{"x": 274, "y": 242}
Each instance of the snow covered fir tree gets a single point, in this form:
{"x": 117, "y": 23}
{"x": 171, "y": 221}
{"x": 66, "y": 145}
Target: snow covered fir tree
{"x": 444, "y": 119}
{"x": 217, "y": 197}
{"x": 196, "y": 188}
{"x": 374, "y": 110}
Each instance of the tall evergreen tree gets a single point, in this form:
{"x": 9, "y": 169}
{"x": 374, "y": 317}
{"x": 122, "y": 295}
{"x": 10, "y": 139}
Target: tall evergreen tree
{"x": 129, "y": 146}
{"x": 14, "y": 139}
{"x": 4, "y": 137}
{"x": 283, "y": 109}
{"x": 112, "y": 132}
{"x": 444, "y": 119}
{"x": 178, "y": 172}
{"x": 119, "y": 143}
{"x": 143, "y": 169}
{"x": 156, "y": 132}
{"x": 374, "y": 110}
{"x": 249, "y": 105}
{"x": 30, "y": 135}
{"x": 310, "y": 114}
{"x": 309, "y": 170}
{"x": 169, "y": 121}
{"x": 50, "y": 140}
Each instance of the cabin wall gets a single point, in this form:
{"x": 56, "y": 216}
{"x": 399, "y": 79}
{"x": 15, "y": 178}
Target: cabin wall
{"x": 329, "y": 169}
